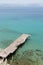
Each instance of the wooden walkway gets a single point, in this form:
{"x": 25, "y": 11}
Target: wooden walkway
{"x": 12, "y": 47}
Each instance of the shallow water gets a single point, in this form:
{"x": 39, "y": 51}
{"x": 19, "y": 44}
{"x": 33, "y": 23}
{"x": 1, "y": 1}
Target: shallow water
{"x": 14, "y": 22}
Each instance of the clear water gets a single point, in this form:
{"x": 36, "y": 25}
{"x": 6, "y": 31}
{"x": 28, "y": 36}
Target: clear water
{"x": 14, "y": 22}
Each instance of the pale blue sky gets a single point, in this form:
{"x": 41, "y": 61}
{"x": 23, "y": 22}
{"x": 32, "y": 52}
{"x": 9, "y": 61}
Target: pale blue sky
{"x": 21, "y": 2}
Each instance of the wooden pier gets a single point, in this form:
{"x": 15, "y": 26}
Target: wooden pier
{"x": 12, "y": 47}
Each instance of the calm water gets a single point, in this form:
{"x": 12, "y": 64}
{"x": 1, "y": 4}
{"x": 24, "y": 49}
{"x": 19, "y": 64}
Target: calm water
{"x": 14, "y": 22}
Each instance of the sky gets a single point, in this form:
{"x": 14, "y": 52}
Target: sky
{"x": 21, "y": 2}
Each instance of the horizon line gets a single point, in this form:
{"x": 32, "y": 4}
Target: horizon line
{"x": 19, "y": 5}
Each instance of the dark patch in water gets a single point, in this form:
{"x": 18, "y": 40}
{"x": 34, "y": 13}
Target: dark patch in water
{"x": 38, "y": 50}
{"x": 38, "y": 54}
{"x": 42, "y": 58}
{"x": 10, "y": 31}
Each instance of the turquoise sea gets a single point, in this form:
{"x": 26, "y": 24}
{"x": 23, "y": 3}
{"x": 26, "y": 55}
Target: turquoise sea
{"x": 16, "y": 21}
